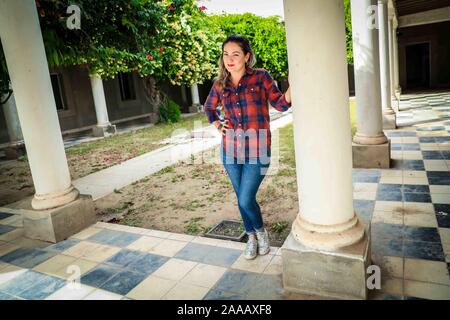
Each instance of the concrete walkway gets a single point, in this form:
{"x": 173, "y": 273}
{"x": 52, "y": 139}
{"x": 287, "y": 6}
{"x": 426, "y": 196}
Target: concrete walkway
{"x": 423, "y": 107}
{"x": 181, "y": 147}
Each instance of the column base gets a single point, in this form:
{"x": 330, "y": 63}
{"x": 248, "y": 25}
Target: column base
{"x": 398, "y": 92}
{"x": 44, "y": 202}
{"x": 389, "y": 121}
{"x": 395, "y": 104}
{"x": 54, "y": 225}
{"x": 104, "y": 130}
{"x": 337, "y": 274}
{"x": 195, "y": 108}
{"x": 371, "y": 156}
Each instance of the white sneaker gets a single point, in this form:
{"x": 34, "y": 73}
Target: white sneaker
{"x": 251, "y": 248}
{"x": 263, "y": 242}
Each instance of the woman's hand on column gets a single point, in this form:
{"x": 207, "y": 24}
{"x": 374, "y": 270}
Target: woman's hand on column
{"x": 287, "y": 95}
{"x": 222, "y": 127}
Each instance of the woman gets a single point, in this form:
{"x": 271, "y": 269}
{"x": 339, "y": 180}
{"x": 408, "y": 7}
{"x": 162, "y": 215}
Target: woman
{"x": 244, "y": 92}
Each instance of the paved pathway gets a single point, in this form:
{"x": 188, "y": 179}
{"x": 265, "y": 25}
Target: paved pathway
{"x": 423, "y": 107}
{"x": 180, "y": 147}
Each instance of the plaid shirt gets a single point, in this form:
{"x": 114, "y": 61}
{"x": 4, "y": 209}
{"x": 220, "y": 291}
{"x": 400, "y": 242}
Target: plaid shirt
{"x": 247, "y": 111}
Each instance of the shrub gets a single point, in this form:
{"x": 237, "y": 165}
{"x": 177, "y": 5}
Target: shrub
{"x": 169, "y": 112}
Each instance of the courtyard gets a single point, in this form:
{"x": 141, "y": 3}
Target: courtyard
{"x": 407, "y": 207}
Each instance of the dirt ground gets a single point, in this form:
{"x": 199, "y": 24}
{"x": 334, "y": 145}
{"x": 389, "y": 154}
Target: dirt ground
{"x": 15, "y": 176}
{"x": 184, "y": 198}
{"x": 86, "y": 158}
{"x": 192, "y": 198}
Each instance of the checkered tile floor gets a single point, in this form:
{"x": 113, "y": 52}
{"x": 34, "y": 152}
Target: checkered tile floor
{"x": 120, "y": 262}
{"x": 407, "y": 205}
{"x": 415, "y": 108}
{"x": 409, "y": 208}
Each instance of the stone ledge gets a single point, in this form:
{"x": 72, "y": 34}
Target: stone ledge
{"x": 57, "y": 224}
{"x": 338, "y": 274}
{"x": 389, "y": 121}
{"x": 371, "y": 156}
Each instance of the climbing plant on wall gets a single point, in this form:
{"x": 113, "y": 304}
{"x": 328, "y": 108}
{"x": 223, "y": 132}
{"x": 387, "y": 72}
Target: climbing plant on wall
{"x": 348, "y": 31}
{"x": 191, "y": 44}
{"x": 115, "y": 35}
{"x": 266, "y": 35}
{"x": 165, "y": 39}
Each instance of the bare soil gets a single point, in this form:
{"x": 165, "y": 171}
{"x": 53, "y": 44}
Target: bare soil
{"x": 183, "y": 198}
{"x": 193, "y": 198}
{"x": 86, "y": 158}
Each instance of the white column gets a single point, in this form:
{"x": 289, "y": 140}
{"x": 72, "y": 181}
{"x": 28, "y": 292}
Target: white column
{"x": 323, "y": 147}
{"x": 194, "y": 94}
{"x": 397, "y": 88}
{"x": 367, "y": 76}
{"x": 99, "y": 100}
{"x": 195, "y": 106}
{"x": 27, "y": 64}
{"x": 12, "y": 118}
{"x": 390, "y": 52}
{"x": 385, "y": 58}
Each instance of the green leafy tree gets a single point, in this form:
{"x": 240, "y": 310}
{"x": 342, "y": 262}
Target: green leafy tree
{"x": 348, "y": 31}
{"x": 115, "y": 35}
{"x": 191, "y": 44}
{"x": 266, "y": 35}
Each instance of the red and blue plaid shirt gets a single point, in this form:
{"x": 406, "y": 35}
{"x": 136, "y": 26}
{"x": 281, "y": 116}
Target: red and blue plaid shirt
{"x": 247, "y": 111}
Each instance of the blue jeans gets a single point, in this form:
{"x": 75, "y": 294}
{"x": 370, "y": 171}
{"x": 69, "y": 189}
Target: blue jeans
{"x": 246, "y": 178}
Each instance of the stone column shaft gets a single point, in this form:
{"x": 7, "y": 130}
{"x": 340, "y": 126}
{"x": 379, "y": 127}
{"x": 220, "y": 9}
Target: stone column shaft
{"x": 196, "y": 106}
{"x": 326, "y": 218}
{"x": 104, "y": 127}
{"x": 327, "y": 251}
{"x": 194, "y": 94}
{"x": 391, "y": 54}
{"x": 99, "y": 100}
{"x": 367, "y": 75}
{"x": 28, "y": 69}
{"x": 385, "y": 57}
{"x": 397, "y": 88}
{"x": 12, "y": 118}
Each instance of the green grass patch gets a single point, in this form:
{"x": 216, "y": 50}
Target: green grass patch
{"x": 120, "y": 208}
{"x": 193, "y": 227}
{"x": 132, "y": 220}
{"x": 138, "y": 141}
{"x": 279, "y": 226}
{"x": 168, "y": 169}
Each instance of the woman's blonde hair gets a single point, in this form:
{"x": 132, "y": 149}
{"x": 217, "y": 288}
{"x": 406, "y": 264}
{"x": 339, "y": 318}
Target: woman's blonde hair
{"x": 243, "y": 42}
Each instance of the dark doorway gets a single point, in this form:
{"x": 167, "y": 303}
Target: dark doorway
{"x": 418, "y": 66}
